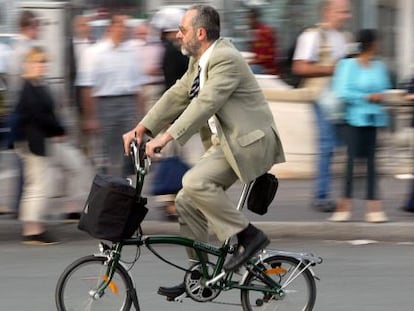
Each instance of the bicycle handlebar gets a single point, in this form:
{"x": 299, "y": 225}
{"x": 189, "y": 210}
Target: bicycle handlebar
{"x": 141, "y": 162}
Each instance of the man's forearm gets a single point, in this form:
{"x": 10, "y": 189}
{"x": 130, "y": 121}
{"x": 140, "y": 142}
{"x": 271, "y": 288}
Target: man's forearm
{"x": 308, "y": 69}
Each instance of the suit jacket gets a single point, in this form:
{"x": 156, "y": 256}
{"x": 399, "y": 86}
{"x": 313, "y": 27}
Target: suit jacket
{"x": 245, "y": 125}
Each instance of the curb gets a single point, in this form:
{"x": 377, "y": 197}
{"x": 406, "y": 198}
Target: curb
{"x": 386, "y": 232}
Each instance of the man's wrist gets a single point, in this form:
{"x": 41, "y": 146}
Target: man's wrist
{"x": 166, "y": 137}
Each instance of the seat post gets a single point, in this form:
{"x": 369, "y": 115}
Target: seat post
{"x": 242, "y": 200}
{"x": 244, "y": 194}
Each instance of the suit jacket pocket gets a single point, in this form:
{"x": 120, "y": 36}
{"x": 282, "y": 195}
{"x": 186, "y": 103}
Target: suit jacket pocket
{"x": 250, "y": 138}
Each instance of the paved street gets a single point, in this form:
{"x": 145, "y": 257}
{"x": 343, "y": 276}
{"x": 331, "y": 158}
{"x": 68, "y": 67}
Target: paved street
{"x": 353, "y": 277}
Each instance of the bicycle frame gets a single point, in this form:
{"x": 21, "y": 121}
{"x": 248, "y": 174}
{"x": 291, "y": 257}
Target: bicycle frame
{"x": 201, "y": 249}
{"x": 218, "y": 279}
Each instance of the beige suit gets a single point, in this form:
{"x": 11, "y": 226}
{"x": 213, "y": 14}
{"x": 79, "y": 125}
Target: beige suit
{"x": 248, "y": 142}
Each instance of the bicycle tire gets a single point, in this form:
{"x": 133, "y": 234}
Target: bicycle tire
{"x": 300, "y": 294}
{"x": 83, "y": 275}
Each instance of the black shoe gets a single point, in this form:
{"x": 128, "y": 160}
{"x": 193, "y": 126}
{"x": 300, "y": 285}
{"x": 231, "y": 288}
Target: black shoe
{"x": 173, "y": 291}
{"x": 43, "y": 238}
{"x": 324, "y": 205}
{"x": 72, "y": 217}
{"x": 247, "y": 248}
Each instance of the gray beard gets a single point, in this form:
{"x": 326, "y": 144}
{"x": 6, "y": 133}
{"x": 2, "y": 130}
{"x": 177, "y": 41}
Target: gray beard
{"x": 185, "y": 52}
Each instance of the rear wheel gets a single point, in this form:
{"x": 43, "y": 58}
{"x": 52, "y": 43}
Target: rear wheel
{"x": 299, "y": 288}
{"x": 82, "y": 277}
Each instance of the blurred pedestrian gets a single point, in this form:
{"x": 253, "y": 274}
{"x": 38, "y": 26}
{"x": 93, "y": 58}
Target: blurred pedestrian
{"x": 4, "y": 109}
{"x": 111, "y": 98}
{"x": 26, "y": 38}
{"x": 317, "y": 51}
{"x": 36, "y": 123}
{"x": 4, "y": 105}
{"x": 409, "y": 203}
{"x": 80, "y": 42}
{"x": 174, "y": 64}
{"x": 361, "y": 83}
{"x": 152, "y": 51}
{"x": 263, "y": 45}
{"x": 22, "y": 43}
{"x": 142, "y": 32}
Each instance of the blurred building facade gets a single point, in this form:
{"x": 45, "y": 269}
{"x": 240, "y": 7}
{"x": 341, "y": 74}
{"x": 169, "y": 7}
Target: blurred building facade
{"x": 393, "y": 18}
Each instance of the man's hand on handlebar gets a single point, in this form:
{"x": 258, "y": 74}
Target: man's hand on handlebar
{"x": 155, "y": 145}
{"x": 137, "y": 133}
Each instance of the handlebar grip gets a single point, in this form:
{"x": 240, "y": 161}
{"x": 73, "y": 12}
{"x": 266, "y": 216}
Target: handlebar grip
{"x": 157, "y": 150}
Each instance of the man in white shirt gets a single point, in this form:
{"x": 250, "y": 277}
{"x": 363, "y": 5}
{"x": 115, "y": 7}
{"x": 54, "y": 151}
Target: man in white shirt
{"x": 111, "y": 83}
{"x": 307, "y": 64}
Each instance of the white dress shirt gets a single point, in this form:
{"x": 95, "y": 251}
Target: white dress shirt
{"x": 111, "y": 70}
{"x": 203, "y": 65}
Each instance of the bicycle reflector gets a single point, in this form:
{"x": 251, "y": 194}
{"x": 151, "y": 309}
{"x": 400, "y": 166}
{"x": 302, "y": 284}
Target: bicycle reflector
{"x": 112, "y": 286}
{"x": 277, "y": 270}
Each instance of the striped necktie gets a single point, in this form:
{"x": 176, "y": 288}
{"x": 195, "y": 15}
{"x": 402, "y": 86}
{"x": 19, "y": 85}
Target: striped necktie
{"x": 195, "y": 87}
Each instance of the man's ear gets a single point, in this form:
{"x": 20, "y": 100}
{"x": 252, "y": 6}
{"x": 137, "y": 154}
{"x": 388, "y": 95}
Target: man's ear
{"x": 201, "y": 33}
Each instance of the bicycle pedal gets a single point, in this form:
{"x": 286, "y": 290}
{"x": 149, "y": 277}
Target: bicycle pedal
{"x": 180, "y": 298}
{"x": 176, "y": 299}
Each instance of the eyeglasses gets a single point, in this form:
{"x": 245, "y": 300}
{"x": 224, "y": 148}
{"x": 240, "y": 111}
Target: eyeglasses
{"x": 41, "y": 61}
{"x": 182, "y": 29}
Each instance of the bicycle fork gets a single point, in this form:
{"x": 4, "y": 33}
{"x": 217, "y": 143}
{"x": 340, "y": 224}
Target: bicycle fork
{"x": 112, "y": 262}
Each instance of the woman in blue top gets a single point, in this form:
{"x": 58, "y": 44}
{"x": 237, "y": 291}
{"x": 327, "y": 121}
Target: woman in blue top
{"x": 360, "y": 82}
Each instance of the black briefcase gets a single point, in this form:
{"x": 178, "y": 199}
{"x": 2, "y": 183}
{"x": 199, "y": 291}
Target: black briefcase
{"x": 262, "y": 193}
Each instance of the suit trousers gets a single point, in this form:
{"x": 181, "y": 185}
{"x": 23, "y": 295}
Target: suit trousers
{"x": 203, "y": 201}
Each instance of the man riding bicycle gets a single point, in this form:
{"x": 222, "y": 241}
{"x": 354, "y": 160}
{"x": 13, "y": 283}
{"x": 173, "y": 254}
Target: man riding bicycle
{"x": 219, "y": 97}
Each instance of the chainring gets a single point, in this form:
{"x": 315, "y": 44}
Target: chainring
{"x": 195, "y": 284}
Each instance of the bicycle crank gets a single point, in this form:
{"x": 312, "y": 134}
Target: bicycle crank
{"x": 195, "y": 284}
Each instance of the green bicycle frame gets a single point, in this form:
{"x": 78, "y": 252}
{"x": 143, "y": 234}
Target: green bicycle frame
{"x": 201, "y": 248}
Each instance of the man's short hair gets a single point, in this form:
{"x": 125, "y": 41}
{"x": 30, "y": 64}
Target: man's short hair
{"x": 114, "y": 15}
{"x": 208, "y": 18}
{"x": 27, "y": 19}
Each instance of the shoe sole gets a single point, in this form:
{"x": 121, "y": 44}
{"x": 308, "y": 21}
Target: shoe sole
{"x": 39, "y": 243}
{"x": 169, "y": 296}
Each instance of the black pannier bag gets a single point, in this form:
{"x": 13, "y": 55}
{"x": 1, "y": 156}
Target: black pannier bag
{"x": 112, "y": 211}
{"x": 262, "y": 193}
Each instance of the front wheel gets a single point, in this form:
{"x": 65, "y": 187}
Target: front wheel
{"x": 298, "y": 286}
{"x": 83, "y": 277}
